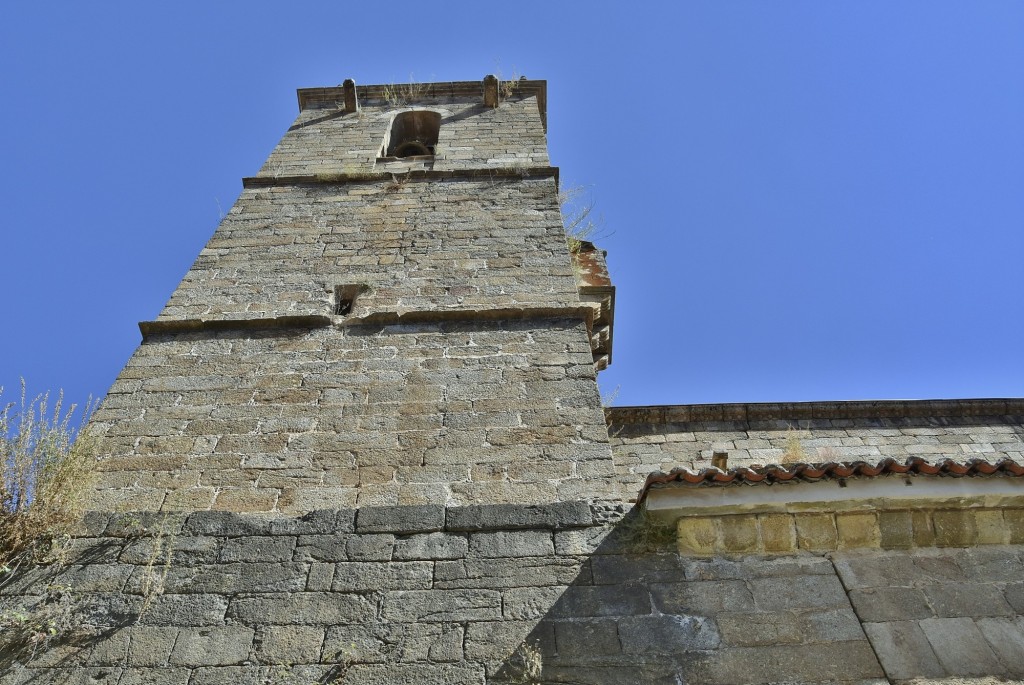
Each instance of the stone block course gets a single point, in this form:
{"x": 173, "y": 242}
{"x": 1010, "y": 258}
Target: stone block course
{"x": 960, "y": 647}
{"x": 594, "y": 613}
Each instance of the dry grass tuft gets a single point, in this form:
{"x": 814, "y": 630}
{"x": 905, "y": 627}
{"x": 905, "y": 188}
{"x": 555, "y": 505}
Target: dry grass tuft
{"x": 794, "y": 452}
{"x": 577, "y": 215}
{"x": 44, "y": 476}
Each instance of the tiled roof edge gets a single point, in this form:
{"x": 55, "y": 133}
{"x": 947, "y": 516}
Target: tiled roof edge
{"x": 769, "y": 411}
{"x": 811, "y": 472}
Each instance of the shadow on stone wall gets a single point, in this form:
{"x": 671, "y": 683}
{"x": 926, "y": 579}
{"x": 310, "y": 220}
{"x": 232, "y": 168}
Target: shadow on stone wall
{"x": 641, "y": 613}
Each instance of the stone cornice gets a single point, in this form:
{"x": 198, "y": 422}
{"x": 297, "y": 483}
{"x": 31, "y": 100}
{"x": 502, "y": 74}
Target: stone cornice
{"x": 797, "y": 411}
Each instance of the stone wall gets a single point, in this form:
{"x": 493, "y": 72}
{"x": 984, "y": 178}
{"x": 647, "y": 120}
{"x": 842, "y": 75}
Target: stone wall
{"x": 327, "y": 140}
{"x": 565, "y": 593}
{"x": 295, "y": 420}
{"x": 418, "y": 245}
{"x": 647, "y": 439}
{"x": 354, "y": 337}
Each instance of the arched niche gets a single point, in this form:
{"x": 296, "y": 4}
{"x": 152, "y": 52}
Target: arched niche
{"x": 412, "y": 134}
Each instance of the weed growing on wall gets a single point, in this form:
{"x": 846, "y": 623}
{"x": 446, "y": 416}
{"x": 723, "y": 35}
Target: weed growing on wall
{"x": 158, "y": 565}
{"x": 794, "y": 452}
{"x": 401, "y": 94}
{"x": 44, "y": 475}
{"x": 639, "y": 532}
{"x": 577, "y": 216}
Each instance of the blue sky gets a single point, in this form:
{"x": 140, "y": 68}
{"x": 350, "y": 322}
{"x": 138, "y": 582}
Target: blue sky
{"x": 802, "y": 200}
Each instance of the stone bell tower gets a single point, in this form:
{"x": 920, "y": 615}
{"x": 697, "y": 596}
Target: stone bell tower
{"x": 363, "y": 441}
{"x": 387, "y": 316}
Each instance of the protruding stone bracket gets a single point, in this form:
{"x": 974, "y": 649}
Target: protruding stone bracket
{"x": 491, "y": 91}
{"x": 351, "y": 99}
{"x": 596, "y": 290}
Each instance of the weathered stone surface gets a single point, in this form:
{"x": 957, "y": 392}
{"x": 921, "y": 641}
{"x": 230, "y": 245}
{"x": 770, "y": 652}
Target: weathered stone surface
{"x": 836, "y": 662}
{"x": 212, "y": 646}
{"x": 890, "y": 604}
{"x": 186, "y": 610}
{"x": 967, "y": 599}
{"x": 666, "y": 634}
{"x": 702, "y": 598}
{"x": 773, "y": 594}
{"x": 312, "y": 608}
{"x": 356, "y": 576}
{"x": 409, "y": 519}
{"x": 435, "y": 606}
{"x": 582, "y": 602}
{"x": 904, "y": 650}
{"x": 431, "y": 546}
{"x": 258, "y": 549}
{"x": 414, "y": 674}
{"x": 762, "y": 628}
{"x": 583, "y": 640}
{"x": 290, "y": 644}
{"x": 509, "y": 516}
{"x": 1006, "y": 638}
{"x": 156, "y": 676}
{"x": 960, "y": 647}
{"x": 518, "y": 543}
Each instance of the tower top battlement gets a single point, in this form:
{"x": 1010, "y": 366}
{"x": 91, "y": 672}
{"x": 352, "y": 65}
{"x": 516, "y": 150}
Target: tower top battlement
{"x": 400, "y": 94}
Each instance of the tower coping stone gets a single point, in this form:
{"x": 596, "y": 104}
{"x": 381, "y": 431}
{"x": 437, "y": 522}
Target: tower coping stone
{"x": 443, "y": 89}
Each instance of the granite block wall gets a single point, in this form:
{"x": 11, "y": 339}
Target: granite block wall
{"x": 296, "y": 420}
{"x": 563, "y": 593}
{"x": 643, "y": 446}
{"x": 327, "y": 140}
{"x": 421, "y": 244}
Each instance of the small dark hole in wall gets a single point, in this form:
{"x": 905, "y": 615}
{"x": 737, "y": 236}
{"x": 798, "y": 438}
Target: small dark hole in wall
{"x": 345, "y": 297}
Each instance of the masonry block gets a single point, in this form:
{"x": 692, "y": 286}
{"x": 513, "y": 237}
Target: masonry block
{"x": 961, "y": 648}
{"x": 955, "y": 527}
{"x": 290, "y": 644}
{"x": 739, "y": 533}
{"x": 857, "y": 530}
{"x": 212, "y": 646}
{"x": 402, "y": 519}
{"x": 816, "y": 532}
{"x": 778, "y": 532}
{"x": 896, "y": 529}
{"x": 697, "y": 535}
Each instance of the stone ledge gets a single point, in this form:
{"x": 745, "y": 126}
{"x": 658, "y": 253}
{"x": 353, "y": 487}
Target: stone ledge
{"x": 150, "y": 329}
{"x": 798, "y": 411}
{"x": 399, "y": 520}
{"x": 526, "y": 172}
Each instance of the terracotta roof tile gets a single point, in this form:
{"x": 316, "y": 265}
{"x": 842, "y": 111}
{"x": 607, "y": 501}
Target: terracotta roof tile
{"x": 809, "y": 472}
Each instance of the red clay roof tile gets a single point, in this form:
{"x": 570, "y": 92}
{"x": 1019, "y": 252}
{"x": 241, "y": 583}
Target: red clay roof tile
{"x": 780, "y": 473}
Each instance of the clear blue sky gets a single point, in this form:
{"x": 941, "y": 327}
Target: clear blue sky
{"x": 805, "y": 200}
